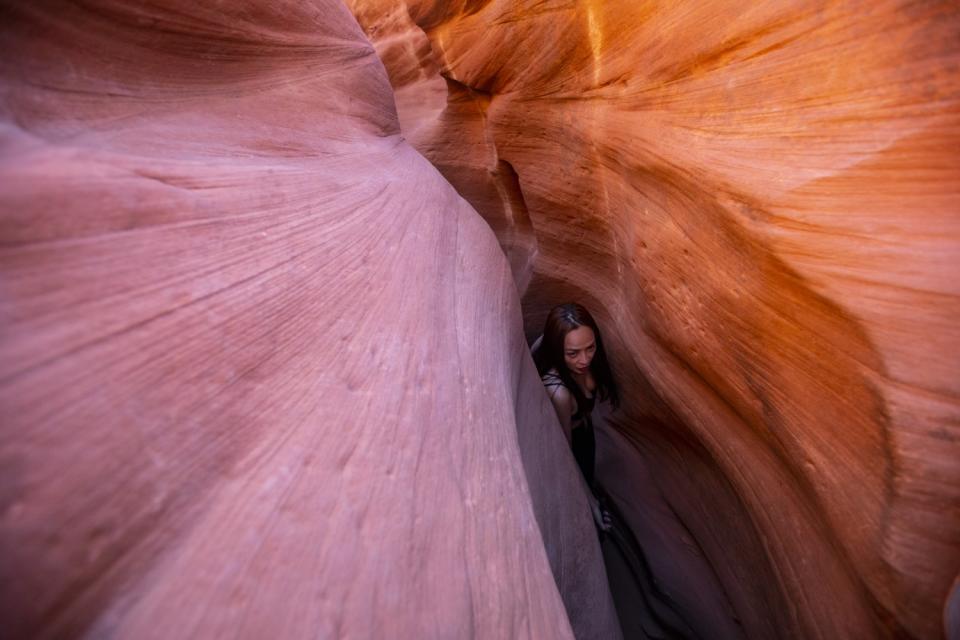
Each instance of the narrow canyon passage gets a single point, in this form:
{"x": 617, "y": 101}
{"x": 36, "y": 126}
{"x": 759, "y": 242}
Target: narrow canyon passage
{"x": 269, "y": 272}
{"x": 643, "y": 610}
{"x": 761, "y": 207}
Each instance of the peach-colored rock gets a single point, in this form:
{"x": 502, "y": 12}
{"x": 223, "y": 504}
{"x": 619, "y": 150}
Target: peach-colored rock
{"x": 762, "y": 205}
{"x": 263, "y": 370}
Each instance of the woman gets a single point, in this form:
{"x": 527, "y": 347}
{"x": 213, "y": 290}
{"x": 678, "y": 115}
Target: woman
{"x": 573, "y": 366}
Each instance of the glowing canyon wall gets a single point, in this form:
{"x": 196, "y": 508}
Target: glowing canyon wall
{"x": 263, "y": 370}
{"x": 762, "y": 204}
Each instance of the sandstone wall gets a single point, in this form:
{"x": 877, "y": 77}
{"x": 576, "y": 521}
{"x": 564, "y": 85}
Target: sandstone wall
{"x": 263, "y": 370}
{"x": 762, "y": 204}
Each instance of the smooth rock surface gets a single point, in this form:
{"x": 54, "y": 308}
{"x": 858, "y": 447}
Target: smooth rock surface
{"x": 762, "y": 206}
{"x": 263, "y": 370}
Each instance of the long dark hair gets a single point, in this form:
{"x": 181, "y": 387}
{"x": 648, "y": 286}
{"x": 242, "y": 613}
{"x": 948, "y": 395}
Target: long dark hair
{"x": 562, "y": 320}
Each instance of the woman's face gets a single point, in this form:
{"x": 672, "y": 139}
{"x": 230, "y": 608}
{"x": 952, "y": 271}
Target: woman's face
{"x": 579, "y": 346}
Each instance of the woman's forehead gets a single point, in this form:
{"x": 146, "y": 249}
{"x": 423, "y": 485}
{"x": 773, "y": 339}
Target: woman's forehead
{"x": 579, "y": 338}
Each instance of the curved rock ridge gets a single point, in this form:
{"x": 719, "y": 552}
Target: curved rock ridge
{"x": 263, "y": 370}
{"x": 761, "y": 205}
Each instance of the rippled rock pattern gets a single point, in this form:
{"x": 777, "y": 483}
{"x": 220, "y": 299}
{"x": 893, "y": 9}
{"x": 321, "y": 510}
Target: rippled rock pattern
{"x": 763, "y": 205}
{"x": 263, "y": 370}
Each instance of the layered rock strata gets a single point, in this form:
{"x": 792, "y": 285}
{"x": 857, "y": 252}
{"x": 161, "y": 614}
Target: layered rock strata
{"x": 263, "y": 370}
{"x": 761, "y": 206}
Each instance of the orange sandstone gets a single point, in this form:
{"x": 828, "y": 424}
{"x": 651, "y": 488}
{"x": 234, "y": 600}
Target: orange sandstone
{"x": 763, "y": 205}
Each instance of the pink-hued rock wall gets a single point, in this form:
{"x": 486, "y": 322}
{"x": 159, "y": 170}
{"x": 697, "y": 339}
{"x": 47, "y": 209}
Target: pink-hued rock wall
{"x": 263, "y": 370}
{"x": 762, "y": 205}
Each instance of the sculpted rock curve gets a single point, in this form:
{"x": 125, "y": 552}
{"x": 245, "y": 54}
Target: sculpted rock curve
{"x": 264, "y": 372}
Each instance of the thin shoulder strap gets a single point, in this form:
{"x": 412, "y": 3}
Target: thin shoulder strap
{"x": 552, "y": 380}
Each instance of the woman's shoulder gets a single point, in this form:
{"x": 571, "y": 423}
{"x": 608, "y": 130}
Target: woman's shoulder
{"x": 560, "y": 395}
{"x": 558, "y": 391}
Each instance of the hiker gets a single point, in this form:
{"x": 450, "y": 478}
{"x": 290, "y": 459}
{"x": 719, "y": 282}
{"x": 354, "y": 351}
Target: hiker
{"x": 573, "y": 365}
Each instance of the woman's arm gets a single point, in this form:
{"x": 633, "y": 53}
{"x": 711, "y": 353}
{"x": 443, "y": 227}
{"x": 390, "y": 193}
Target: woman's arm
{"x": 564, "y": 405}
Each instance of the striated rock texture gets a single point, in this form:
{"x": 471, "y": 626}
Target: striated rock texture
{"x": 263, "y": 370}
{"x": 762, "y": 204}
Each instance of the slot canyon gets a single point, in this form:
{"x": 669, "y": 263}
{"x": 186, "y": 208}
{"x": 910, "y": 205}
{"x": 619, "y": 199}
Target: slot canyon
{"x": 269, "y": 272}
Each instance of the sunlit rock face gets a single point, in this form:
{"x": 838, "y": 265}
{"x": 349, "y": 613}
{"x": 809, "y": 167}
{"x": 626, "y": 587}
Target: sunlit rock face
{"x": 263, "y": 370}
{"x": 762, "y": 206}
